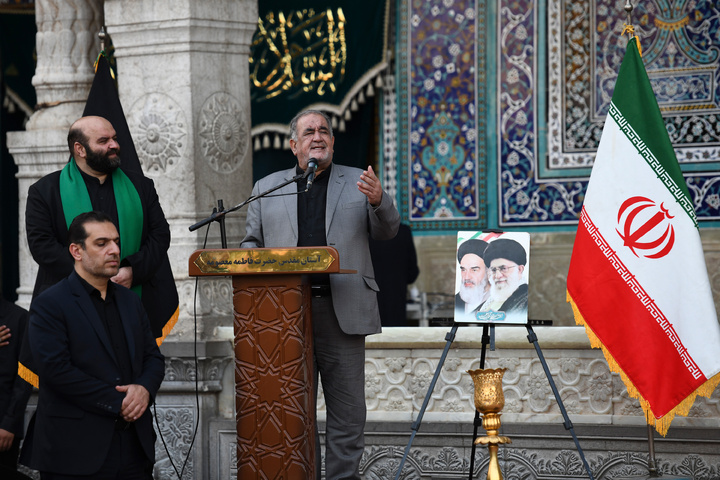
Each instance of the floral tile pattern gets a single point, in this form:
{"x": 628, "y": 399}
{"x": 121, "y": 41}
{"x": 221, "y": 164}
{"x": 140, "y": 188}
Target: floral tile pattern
{"x": 555, "y": 64}
{"x": 442, "y": 134}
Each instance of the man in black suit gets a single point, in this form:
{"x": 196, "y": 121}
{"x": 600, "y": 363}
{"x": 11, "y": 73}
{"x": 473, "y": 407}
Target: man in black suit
{"x": 395, "y": 265}
{"x": 99, "y": 367}
{"x": 92, "y": 180}
{"x": 14, "y": 391}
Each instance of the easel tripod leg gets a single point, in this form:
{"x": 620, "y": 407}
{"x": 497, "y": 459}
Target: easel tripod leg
{"x": 416, "y": 425}
{"x": 532, "y": 338}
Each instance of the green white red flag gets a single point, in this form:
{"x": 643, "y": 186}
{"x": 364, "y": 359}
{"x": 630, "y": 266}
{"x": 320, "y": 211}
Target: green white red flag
{"x": 637, "y": 277}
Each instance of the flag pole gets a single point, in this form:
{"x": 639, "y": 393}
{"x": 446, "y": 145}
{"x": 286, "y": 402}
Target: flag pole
{"x": 629, "y": 9}
{"x": 102, "y": 35}
{"x": 652, "y": 462}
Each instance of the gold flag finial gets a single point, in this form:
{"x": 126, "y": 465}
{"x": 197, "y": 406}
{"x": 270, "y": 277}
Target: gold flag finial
{"x": 628, "y": 27}
{"x": 102, "y": 35}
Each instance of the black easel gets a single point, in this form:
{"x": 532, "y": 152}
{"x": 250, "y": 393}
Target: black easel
{"x": 532, "y": 338}
{"x": 416, "y": 424}
{"x": 486, "y": 338}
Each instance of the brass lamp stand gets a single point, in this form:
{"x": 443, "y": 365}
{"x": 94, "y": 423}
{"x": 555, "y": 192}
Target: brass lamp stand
{"x": 489, "y": 400}
{"x": 487, "y": 422}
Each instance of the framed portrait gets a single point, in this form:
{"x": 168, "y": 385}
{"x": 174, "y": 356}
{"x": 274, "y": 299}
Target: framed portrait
{"x": 492, "y": 271}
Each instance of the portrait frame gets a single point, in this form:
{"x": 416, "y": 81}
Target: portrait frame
{"x": 502, "y": 297}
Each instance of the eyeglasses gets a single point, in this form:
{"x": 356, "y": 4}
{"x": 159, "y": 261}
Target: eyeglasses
{"x": 502, "y": 269}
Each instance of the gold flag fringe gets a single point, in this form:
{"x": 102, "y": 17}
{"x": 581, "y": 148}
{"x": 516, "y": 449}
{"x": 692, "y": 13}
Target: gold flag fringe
{"x": 97, "y": 62}
{"x": 169, "y": 326}
{"x": 661, "y": 424}
{"x": 28, "y": 375}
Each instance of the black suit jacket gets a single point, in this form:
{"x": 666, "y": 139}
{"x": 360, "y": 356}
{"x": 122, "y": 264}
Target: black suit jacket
{"x": 77, "y": 402}
{"x": 14, "y": 391}
{"x": 47, "y": 239}
{"x": 395, "y": 265}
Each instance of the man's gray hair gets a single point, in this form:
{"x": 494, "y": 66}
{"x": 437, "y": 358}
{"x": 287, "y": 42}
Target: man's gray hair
{"x": 293, "y": 122}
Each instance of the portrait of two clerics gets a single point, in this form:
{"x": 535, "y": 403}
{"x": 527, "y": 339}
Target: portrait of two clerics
{"x": 491, "y": 288}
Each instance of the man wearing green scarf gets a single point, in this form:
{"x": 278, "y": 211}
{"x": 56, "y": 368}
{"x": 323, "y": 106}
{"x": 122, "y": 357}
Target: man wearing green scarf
{"x": 91, "y": 180}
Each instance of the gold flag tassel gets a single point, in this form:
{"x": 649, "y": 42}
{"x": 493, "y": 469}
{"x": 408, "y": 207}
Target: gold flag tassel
{"x": 630, "y": 30}
{"x": 103, "y": 35}
{"x": 628, "y": 27}
{"x": 97, "y": 61}
{"x": 661, "y": 424}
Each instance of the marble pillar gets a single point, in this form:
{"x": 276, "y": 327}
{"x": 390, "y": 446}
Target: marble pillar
{"x": 184, "y": 85}
{"x": 66, "y": 45}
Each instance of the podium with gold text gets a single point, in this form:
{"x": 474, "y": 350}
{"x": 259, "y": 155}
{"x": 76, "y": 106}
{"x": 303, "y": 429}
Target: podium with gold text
{"x": 275, "y": 411}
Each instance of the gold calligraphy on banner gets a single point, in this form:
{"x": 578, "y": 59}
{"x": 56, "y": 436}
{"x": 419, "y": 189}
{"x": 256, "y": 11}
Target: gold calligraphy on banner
{"x": 301, "y": 52}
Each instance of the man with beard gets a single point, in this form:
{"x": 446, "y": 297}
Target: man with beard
{"x": 91, "y": 180}
{"x": 505, "y": 260}
{"x": 474, "y": 286}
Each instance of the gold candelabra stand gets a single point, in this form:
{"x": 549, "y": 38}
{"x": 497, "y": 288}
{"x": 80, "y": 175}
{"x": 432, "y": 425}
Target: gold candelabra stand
{"x": 489, "y": 400}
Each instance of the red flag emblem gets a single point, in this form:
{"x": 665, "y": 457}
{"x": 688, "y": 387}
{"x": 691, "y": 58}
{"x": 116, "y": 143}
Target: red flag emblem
{"x": 646, "y": 227}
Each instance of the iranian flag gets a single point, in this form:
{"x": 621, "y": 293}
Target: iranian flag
{"x": 637, "y": 278}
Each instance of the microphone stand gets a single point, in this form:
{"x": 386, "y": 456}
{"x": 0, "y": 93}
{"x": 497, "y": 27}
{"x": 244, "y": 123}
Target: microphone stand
{"x": 223, "y": 237}
{"x": 218, "y": 214}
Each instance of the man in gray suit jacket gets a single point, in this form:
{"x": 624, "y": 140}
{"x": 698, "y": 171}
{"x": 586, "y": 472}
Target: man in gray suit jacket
{"x": 344, "y": 207}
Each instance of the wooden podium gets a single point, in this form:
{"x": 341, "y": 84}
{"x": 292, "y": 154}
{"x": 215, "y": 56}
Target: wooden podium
{"x": 275, "y": 410}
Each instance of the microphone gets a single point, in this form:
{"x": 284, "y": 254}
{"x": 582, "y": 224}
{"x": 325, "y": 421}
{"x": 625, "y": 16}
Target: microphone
{"x": 310, "y": 172}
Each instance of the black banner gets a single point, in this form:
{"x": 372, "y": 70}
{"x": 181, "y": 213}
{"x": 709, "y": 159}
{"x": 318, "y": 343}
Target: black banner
{"x": 312, "y": 53}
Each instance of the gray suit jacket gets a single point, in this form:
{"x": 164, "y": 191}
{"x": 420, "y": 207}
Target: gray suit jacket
{"x": 349, "y": 219}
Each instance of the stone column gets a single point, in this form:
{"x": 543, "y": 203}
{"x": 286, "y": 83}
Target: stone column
{"x": 67, "y": 45}
{"x": 183, "y": 79}
{"x": 184, "y": 85}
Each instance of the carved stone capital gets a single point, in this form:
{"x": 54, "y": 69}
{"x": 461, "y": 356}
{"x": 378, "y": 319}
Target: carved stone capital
{"x": 67, "y": 45}
{"x": 182, "y": 369}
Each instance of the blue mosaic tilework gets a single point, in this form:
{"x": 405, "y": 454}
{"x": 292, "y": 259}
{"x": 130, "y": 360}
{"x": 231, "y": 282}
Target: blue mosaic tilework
{"x": 580, "y": 59}
{"x": 585, "y": 49}
{"x": 442, "y": 137}
{"x": 523, "y": 200}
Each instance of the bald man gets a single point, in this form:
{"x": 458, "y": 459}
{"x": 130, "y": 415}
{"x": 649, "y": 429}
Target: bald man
{"x": 92, "y": 180}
